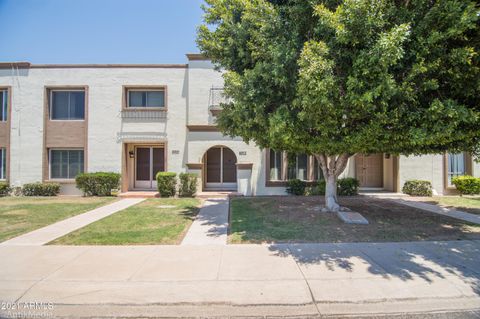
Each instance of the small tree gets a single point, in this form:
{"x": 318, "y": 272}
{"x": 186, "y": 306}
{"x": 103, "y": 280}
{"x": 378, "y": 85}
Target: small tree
{"x": 336, "y": 78}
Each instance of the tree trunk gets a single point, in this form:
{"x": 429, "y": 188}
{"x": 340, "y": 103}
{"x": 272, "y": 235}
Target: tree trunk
{"x": 332, "y": 166}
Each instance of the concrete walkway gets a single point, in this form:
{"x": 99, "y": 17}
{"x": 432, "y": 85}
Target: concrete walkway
{"x": 412, "y": 202}
{"x": 51, "y": 232}
{"x": 211, "y": 224}
{"x": 300, "y": 280}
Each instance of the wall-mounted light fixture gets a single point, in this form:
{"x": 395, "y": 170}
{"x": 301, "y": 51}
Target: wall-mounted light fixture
{"x": 131, "y": 154}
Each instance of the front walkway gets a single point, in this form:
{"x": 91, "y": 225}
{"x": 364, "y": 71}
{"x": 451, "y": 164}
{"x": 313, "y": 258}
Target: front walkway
{"x": 436, "y": 209}
{"x": 244, "y": 280}
{"x": 51, "y": 232}
{"x": 211, "y": 224}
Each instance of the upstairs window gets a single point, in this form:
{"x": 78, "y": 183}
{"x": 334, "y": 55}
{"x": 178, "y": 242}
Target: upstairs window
{"x": 4, "y": 105}
{"x": 154, "y": 98}
{"x": 66, "y": 105}
{"x": 456, "y": 166}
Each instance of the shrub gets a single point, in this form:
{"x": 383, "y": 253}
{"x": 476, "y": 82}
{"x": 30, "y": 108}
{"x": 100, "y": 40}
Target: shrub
{"x": 417, "y": 188}
{"x": 98, "y": 183}
{"x": 41, "y": 189}
{"x": 296, "y": 187}
{"x": 347, "y": 186}
{"x": 467, "y": 185}
{"x": 166, "y": 182}
{"x": 188, "y": 185}
{"x": 316, "y": 189}
{"x": 4, "y": 189}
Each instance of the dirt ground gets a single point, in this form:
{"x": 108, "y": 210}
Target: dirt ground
{"x": 299, "y": 219}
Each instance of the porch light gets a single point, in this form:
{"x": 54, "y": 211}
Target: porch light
{"x": 131, "y": 154}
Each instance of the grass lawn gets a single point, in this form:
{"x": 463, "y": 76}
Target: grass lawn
{"x": 154, "y": 221}
{"x": 469, "y": 204}
{"x": 19, "y": 215}
{"x": 297, "y": 219}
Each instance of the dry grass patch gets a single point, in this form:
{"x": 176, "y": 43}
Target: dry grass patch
{"x": 298, "y": 219}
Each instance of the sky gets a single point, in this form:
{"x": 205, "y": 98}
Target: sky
{"x": 98, "y": 31}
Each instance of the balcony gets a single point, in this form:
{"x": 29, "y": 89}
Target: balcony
{"x": 216, "y": 99}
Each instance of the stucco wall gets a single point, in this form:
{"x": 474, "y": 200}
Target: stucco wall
{"x": 425, "y": 167}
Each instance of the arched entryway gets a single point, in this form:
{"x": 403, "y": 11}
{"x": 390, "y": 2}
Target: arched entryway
{"x": 220, "y": 169}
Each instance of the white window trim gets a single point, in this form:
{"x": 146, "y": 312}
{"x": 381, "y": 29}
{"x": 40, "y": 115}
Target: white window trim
{"x": 147, "y": 107}
{"x": 50, "y": 161}
{"x": 454, "y": 174}
{"x": 279, "y": 165}
{"x": 67, "y": 90}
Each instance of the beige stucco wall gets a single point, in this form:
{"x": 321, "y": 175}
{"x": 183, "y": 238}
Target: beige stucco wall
{"x": 425, "y": 167}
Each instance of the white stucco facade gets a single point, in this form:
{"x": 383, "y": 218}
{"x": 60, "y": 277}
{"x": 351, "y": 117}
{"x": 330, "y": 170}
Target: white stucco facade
{"x": 185, "y": 129}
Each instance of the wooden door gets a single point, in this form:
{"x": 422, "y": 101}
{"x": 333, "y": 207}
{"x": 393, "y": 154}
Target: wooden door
{"x": 369, "y": 170}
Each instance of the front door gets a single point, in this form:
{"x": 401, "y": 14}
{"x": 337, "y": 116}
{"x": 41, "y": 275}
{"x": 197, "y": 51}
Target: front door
{"x": 149, "y": 160}
{"x": 220, "y": 169}
{"x": 369, "y": 170}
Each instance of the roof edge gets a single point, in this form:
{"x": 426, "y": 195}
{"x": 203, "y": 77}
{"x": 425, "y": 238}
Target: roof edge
{"x": 196, "y": 57}
{"x": 28, "y": 65}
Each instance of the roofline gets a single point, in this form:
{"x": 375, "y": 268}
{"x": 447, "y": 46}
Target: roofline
{"x": 28, "y": 65}
{"x": 196, "y": 57}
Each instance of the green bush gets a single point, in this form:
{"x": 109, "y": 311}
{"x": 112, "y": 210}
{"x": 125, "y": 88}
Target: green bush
{"x": 98, "y": 183}
{"x": 41, "y": 189}
{"x": 188, "y": 184}
{"x": 166, "y": 182}
{"x": 296, "y": 187}
{"x": 4, "y": 189}
{"x": 316, "y": 189}
{"x": 347, "y": 186}
{"x": 417, "y": 188}
{"x": 467, "y": 185}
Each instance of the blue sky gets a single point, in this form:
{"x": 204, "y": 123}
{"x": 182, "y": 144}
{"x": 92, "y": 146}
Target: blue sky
{"x": 98, "y": 31}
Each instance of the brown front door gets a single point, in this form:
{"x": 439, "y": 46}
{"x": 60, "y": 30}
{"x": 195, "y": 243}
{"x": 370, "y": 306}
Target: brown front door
{"x": 220, "y": 169}
{"x": 148, "y": 162}
{"x": 369, "y": 169}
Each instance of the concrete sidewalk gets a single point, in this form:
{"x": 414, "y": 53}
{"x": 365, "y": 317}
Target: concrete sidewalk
{"x": 51, "y": 232}
{"x": 211, "y": 224}
{"x": 244, "y": 280}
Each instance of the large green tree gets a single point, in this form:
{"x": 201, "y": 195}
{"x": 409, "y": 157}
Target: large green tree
{"x": 334, "y": 78}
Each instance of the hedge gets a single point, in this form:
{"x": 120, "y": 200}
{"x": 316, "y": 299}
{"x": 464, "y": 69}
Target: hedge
{"x": 417, "y": 188}
{"x": 467, "y": 185}
{"x": 4, "y": 189}
{"x": 41, "y": 189}
{"x": 347, "y": 186}
{"x": 166, "y": 183}
{"x": 188, "y": 185}
{"x": 98, "y": 183}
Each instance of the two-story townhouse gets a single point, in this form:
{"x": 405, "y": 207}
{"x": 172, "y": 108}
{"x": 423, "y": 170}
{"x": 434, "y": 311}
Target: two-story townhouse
{"x": 59, "y": 120}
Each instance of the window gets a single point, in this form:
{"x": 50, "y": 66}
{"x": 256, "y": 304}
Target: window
{"x": 66, "y": 164}
{"x": 4, "y": 105}
{"x": 276, "y": 165}
{"x": 67, "y": 105}
{"x": 146, "y": 98}
{"x": 317, "y": 170}
{"x": 298, "y": 166}
{"x": 3, "y": 163}
{"x": 455, "y": 166}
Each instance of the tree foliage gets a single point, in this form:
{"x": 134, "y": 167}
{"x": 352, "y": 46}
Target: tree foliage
{"x": 348, "y": 76}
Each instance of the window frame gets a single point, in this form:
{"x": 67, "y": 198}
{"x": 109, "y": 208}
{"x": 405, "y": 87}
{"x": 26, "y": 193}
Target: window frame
{"x": 4, "y": 166}
{"x": 284, "y": 172}
{"x": 467, "y": 164}
{"x": 50, "y": 103}
{"x": 144, "y": 88}
{"x": 5, "y": 105}
{"x": 50, "y": 178}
